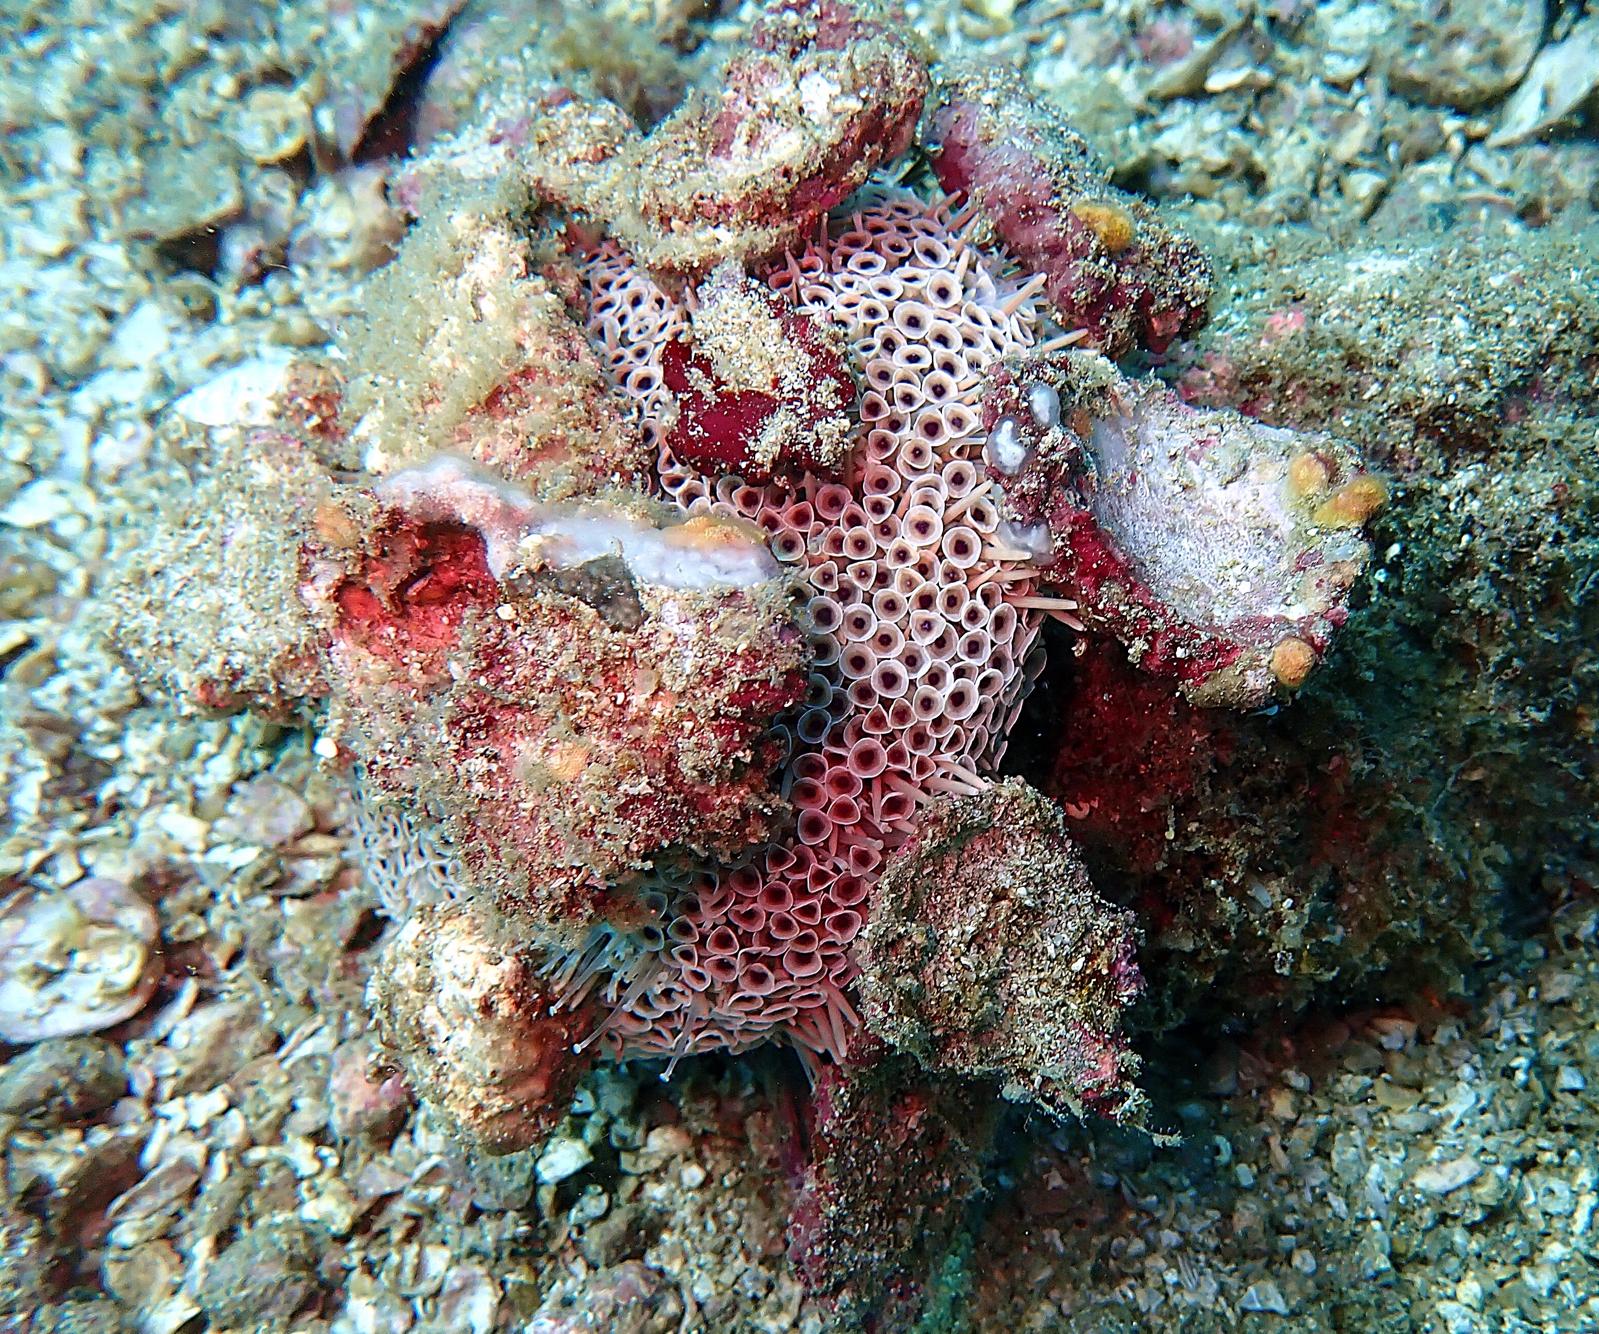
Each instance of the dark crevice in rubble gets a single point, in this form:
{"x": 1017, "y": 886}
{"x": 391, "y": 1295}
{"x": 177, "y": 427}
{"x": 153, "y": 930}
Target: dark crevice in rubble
{"x": 392, "y": 132}
{"x": 1035, "y": 739}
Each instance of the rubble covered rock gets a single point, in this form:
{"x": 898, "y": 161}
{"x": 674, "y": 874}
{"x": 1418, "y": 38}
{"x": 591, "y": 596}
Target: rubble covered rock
{"x": 205, "y": 599}
{"x": 785, "y": 129}
{"x": 1220, "y": 552}
{"x": 570, "y": 689}
{"x": 988, "y": 954}
{"x": 895, "y": 1167}
{"x": 464, "y": 347}
{"x": 460, "y": 1001}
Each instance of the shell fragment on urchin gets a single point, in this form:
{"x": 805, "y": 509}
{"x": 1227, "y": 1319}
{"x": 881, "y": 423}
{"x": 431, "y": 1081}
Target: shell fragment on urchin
{"x": 1221, "y": 552}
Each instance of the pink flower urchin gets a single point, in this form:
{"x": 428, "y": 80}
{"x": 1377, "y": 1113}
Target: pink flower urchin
{"x": 567, "y": 700}
{"x": 921, "y": 606}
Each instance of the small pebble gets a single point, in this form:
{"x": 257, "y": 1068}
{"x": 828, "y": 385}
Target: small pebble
{"x": 364, "y": 1101}
{"x": 1540, "y": 1280}
{"x": 667, "y": 1140}
{"x": 65, "y": 1080}
{"x": 1457, "y": 1319}
{"x": 267, "y": 813}
{"x": 1556, "y": 1198}
{"x": 1044, "y": 403}
{"x": 1441, "y": 1178}
{"x": 561, "y": 1159}
{"x": 1265, "y": 1297}
{"x": 244, "y": 394}
{"x": 469, "y": 1301}
{"x": 591, "y": 1205}
{"x": 260, "y": 1279}
{"x": 1005, "y": 448}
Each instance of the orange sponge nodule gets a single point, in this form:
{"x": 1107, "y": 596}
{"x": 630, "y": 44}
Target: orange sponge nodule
{"x": 1353, "y": 503}
{"x": 1113, "y": 225}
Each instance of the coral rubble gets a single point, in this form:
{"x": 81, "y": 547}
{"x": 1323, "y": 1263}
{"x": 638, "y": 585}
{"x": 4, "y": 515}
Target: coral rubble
{"x": 74, "y": 961}
{"x": 1110, "y": 265}
{"x": 785, "y": 131}
{"x": 1362, "y": 907}
{"x": 566, "y": 688}
{"x": 472, "y": 1014}
{"x": 1220, "y": 552}
{"x": 895, "y": 1165}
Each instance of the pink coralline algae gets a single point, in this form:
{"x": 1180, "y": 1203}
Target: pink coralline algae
{"x": 1110, "y": 266}
{"x": 567, "y": 689}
